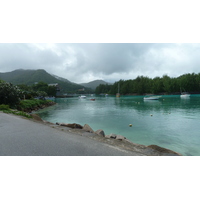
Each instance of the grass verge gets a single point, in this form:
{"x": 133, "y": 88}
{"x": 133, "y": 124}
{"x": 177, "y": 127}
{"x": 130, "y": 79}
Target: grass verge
{"x": 6, "y": 109}
{"x": 26, "y": 106}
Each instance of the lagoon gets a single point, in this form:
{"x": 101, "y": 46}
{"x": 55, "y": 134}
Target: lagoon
{"x": 171, "y": 122}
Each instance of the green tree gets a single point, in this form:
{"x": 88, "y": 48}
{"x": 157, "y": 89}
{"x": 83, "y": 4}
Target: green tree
{"x": 43, "y": 87}
{"x": 103, "y": 88}
{"x": 9, "y": 94}
{"x": 167, "y": 84}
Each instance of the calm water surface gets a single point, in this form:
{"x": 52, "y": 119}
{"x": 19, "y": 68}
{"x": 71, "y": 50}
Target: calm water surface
{"x": 170, "y": 122}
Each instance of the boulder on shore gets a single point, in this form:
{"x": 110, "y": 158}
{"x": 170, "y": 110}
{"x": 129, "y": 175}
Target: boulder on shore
{"x": 112, "y": 135}
{"x": 87, "y": 128}
{"x": 117, "y": 137}
{"x": 120, "y": 137}
{"x": 100, "y": 132}
{"x": 74, "y": 125}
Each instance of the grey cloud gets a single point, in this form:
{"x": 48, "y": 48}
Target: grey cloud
{"x": 112, "y": 61}
{"x": 14, "y": 56}
{"x": 108, "y": 58}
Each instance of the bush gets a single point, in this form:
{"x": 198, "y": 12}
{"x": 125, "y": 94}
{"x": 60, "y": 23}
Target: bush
{"x": 9, "y": 94}
{"x": 27, "y": 105}
{"x": 4, "y": 107}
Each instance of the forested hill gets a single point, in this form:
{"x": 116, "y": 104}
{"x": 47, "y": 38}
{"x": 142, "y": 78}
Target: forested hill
{"x": 29, "y": 77}
{"x": 94, "y": 84}
{"x": 158, "y": 85}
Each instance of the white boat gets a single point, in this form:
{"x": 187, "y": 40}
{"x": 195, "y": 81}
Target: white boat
{"x": 82, "y": 97}
{"x": 152, "y": 97}
{"x": 185, "y": 95}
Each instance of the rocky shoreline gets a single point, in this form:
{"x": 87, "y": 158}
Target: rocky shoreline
{"x": 117, "y": 141}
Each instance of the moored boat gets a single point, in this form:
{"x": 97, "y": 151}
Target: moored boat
{"x": 152, "y": 97}
{"x": 185, "y": 95}
{"x": 82, "y": 97}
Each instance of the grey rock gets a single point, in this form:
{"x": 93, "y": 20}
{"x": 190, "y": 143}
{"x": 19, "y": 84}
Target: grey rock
{"x": 100, "y": 132}
{"x": 120, "y": 137}
{"x": 87, "y": 128}
{"x": 112, "y": 135}
{"x": 74, "y": 125}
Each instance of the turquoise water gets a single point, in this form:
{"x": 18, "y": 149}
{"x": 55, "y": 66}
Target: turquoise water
{"x": 170, "y": 122}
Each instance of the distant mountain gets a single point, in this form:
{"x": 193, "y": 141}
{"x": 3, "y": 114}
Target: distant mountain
{"x": 61, "y": 79}
{"x": 29, "y": 77}
{"x": 94, "y": 84}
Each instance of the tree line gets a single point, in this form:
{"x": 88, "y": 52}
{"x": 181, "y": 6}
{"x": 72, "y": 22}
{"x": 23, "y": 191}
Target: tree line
{"x": 39, "y": 89}
{"x": 11, "y": 95}
{"x": 158, "y": 85}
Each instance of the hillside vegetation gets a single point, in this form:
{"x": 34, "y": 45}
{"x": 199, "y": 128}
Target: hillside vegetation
{"x": 94, "y": 84}
{"x": 158, "y": 85}
{"x": 29, "y": 77}
{"x": 12, "y": 96}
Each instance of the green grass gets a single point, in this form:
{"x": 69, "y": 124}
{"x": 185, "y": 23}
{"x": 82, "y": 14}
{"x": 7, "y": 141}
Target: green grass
{"x": 32, "y": 104}
{"x": 20, "y": 113}
{"x": 25, "y": 105}
{"x": 6, "y": 109}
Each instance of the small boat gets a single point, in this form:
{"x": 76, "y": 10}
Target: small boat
{"x": 82, "y": 97}
{"x": 92, "y": 99}
{"x": 152, "y": 97}
{"x": 185, "y": 95}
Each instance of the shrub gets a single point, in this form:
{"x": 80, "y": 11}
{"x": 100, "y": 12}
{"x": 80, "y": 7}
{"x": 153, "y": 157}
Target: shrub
{"x": 4, "y": 107}
{"x": 9, "y": 94}
{"x": 26, "y": 105}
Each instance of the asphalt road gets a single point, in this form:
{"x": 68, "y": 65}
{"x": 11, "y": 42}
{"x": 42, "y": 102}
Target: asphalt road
{"x": 22, "y": 137}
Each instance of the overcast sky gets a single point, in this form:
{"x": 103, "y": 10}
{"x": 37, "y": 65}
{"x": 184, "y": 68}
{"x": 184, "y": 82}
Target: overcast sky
{"x": 84, "y": 62}
{"x": 110, "y": 40}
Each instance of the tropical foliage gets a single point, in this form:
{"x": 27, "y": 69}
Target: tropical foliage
{"x": 30, "y": 77}
{"x": 9, "y": 94}
{"x": 158, "y": 85}
{"x": 31, "y": 104}
{"x": 13, "y": 96}
{"x": 39, "y": 89}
